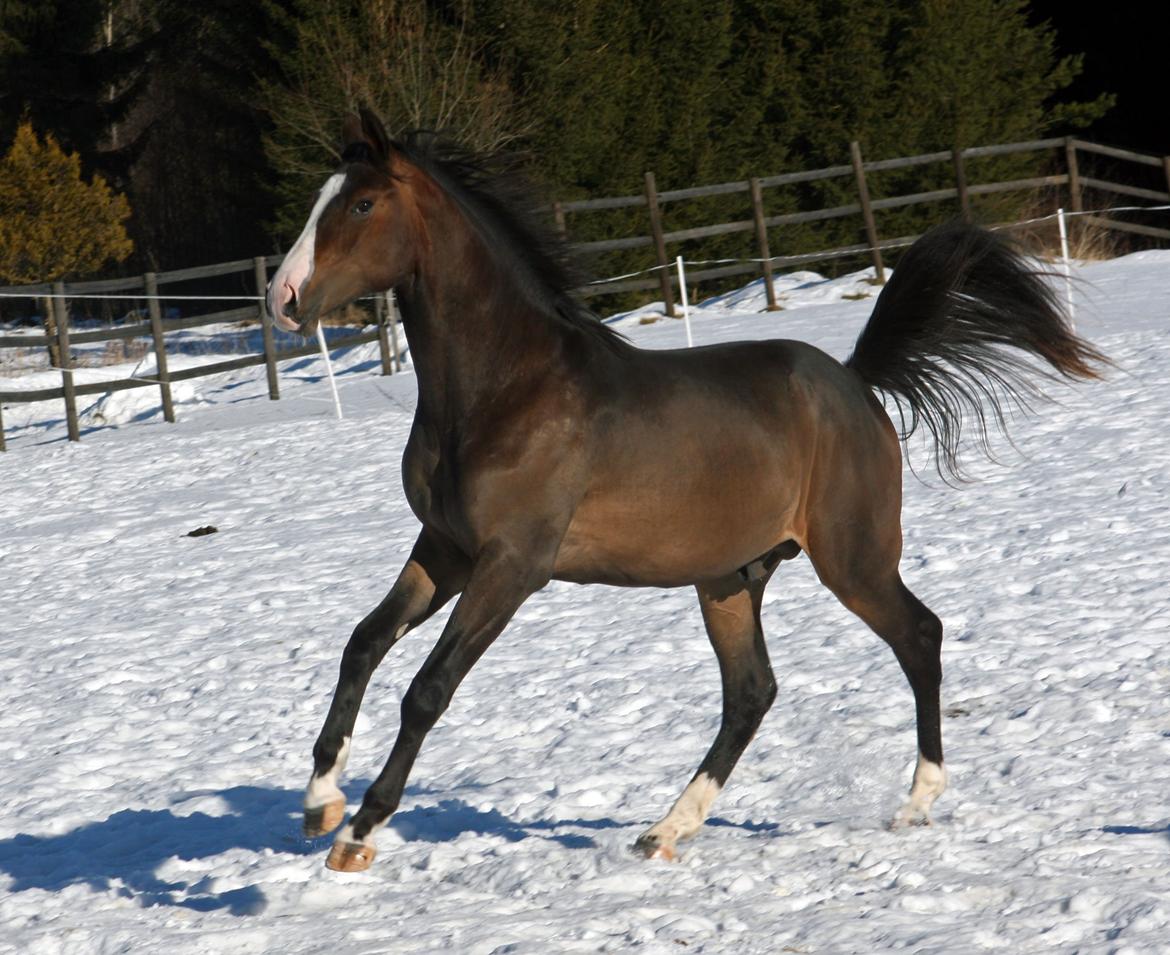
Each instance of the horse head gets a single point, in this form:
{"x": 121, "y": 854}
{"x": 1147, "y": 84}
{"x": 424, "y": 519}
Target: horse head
{"x": 356, "y": 240}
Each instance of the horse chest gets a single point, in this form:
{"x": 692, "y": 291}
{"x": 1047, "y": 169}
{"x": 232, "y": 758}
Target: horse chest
{"x": 434, "y": 477}
{"x": 428, "y": 482}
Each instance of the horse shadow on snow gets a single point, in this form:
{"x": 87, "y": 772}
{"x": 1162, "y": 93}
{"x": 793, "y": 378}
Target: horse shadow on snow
{"x": 125, "y": 852}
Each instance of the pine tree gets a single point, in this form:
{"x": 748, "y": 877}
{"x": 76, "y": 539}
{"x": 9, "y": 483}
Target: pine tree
{"x": 53, "y": 223}
{"x": 199, "y": 181}
{"x": 64, "y": 67}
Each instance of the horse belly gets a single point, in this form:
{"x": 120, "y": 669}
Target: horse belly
{"x": 675, "y": 524}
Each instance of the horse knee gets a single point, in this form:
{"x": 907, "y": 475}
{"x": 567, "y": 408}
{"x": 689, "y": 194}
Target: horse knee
{"x": 359, "y": 650}
{"x": 424, "y": 702}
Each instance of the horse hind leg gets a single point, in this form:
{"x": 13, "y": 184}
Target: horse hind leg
{"x": 731, "y": 612}
{"x": 914, "y": 633}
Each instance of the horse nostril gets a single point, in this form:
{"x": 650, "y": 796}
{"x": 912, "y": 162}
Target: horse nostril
{"x": 289, "y": 308}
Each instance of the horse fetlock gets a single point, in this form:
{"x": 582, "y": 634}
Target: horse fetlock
{"x": 930, "y": 782}
{"x": 685, "y": 819}
{"x": 324, "y": 801}
{"x": 330, "y": 760}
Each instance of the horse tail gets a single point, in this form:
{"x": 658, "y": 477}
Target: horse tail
{"x": 953, "y": 333}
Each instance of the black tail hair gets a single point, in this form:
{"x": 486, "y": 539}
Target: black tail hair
{"x": 949, "y": 333}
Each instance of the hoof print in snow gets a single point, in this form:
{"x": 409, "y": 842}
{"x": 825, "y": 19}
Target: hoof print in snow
{"x": 202, "y": 531}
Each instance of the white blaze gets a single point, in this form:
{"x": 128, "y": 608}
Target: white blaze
{"x": 297, "y": 266}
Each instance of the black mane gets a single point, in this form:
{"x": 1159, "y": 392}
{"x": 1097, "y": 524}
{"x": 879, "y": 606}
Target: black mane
{"x": 501, "y": 205}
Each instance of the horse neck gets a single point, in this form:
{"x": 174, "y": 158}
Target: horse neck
{"x": 472, "y": 331}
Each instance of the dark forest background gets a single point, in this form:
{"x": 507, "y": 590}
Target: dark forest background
{"x": 218, "y": 119}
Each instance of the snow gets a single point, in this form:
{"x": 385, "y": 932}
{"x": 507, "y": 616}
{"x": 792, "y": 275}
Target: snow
{"x": 160, "y": 694}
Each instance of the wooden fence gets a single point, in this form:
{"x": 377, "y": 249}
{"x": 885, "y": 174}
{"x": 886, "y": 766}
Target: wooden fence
{"x": 59, "y": 338}
{"x": 1063, "y": 151}
{"x": 1071, "y": 182}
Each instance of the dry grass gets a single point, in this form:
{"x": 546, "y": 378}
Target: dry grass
{"x": 1087, "y": 241}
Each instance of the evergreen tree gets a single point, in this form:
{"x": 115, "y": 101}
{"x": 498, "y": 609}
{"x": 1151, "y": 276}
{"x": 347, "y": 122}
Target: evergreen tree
{"x": 53, "y": 223}
{"x": 973, "y": 72}
{"x": 65, "y": 67}
{"x": 199, "y": 181}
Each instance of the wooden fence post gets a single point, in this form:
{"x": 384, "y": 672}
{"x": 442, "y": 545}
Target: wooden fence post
{"x": 762, "y": 242}
{"x": 867, "y": 212}
{"x": 961, "y": 183}
{"x": 51, "y": 331}
{"x": 61, "y": 310}
{"x": 2, "y": 446}
{"x": 150, "y": 285}
{"x": 1166, "y": 170}
{"x": 260, "y": 271}
{"x": 559, "y": 219}
{"x": 659, "y": 245}
{"x": 1075, "y": 202}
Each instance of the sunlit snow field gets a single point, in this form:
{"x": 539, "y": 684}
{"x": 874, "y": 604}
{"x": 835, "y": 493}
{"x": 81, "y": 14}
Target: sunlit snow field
{"x": 160, "y": 694}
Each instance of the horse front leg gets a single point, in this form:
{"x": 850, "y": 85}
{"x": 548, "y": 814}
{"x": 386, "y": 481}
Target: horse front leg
{"x": 502, "y": 578}
{"x": 434, "y": 573}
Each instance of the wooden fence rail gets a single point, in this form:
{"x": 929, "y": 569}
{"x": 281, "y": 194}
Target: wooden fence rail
{"x": 59, "y": 338}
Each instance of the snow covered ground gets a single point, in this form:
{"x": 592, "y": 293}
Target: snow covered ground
{"x": 159, "y": 694}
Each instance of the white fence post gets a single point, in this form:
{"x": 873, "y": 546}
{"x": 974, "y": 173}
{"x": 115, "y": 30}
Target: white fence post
{"x": 1072, "y": 311}
{"x": 682, "y": 288}
{"x": 329, "y": 369}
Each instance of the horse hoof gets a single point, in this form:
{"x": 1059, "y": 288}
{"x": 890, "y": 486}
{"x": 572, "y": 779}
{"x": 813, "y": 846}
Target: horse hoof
{"x": 910, "y": 818}
{"x": 324, "y": 819}
{"x": 654, "y": 848}
{"x": 350, "y": 857}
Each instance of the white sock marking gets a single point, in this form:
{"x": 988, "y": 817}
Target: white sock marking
{"x": 687, "y": 815}
{"x": 930, "y": 782}
{"x": 346, "y": 835}
{"x": 324, "y": 789}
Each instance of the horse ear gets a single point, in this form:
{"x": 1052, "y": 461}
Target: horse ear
{"x": 365, "y": 130}
{"x": 374, "y": 133}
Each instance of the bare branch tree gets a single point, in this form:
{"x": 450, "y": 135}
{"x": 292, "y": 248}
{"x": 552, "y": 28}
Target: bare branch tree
{"x": 395, "y": 56}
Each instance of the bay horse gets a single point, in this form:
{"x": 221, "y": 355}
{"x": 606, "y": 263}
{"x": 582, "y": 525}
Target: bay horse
{"x": 545, "y": 446}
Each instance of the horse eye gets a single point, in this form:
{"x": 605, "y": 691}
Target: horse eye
{"x": 363, "y": 207}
